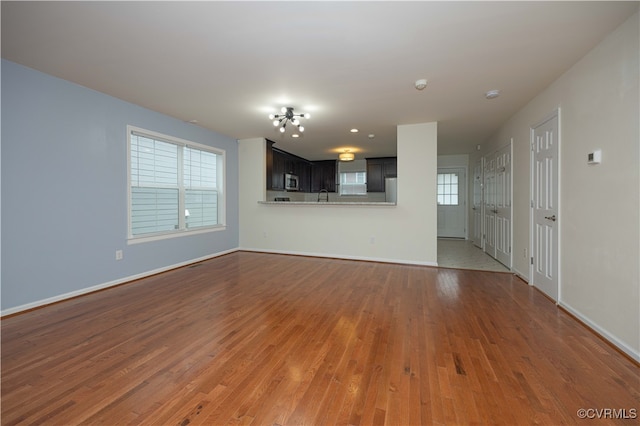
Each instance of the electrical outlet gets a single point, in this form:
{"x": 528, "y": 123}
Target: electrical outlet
{"x": 372, "y": 239}
{"x": 264, "y": 234}
{"x": 118, "y": 254}
{"x": 525, "y": 253}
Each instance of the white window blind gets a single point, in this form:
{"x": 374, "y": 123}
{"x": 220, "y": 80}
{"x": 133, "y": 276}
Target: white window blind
{"x": 353, "y": 183}
{"x": 201, "y": 197}
{"x": 154, "y": 185}
{"x": 174, "y": 186}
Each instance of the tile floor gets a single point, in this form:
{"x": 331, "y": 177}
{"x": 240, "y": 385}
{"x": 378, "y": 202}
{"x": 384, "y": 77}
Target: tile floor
{"x": 462, "y": 254}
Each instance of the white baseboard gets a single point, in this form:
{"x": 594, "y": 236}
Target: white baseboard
{"x": 340, "y": 256}
{"x": 633, "y": 353}
{"x": 102, "y": 286}
{"x": 522, "y": 276}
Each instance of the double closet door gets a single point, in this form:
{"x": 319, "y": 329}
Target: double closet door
{"x": 495, "y": 186}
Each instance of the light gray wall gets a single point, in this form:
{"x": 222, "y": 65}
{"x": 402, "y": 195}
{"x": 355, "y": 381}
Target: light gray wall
{"x": 599, "y": 102}
{"x": 64, "y": 190}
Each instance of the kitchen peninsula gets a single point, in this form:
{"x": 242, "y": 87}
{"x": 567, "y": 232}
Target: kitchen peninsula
{"x": 296, "y": 181}
{"x": 329, "y": 203}
{"x": 406, "y": 232}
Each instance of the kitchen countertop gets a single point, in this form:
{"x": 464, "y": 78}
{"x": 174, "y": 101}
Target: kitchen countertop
{"x": 327, "y": 203}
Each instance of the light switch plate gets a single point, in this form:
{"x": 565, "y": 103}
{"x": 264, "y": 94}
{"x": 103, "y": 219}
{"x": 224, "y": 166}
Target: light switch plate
{"x": 595, "y": 157}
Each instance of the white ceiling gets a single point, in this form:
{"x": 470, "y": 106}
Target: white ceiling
{"x": 349, "y": 64}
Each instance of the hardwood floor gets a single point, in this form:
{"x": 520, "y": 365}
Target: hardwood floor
{"x": 262, "y": 339}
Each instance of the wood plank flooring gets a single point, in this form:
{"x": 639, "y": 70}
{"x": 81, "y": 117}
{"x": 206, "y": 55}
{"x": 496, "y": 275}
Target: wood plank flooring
{"x": 265, "y": 339}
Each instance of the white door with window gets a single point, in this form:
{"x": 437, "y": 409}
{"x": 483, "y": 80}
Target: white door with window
{"x": 503, "y": 207}
{"x": 452, "y": 212}
{"x": 477, "y": 204}
{"x": 544, "y": 205}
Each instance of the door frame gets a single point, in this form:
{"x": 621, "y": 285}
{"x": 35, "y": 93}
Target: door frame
{"x": 486, "y": 160}
{"x": 472, "y": 194}
{"x": 508, "y": 147}
{"x": 555, "y": 113}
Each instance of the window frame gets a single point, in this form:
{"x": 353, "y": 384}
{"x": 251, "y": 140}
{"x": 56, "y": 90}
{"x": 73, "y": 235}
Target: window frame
{"x": 182, "y": 230}
{"x": 447, "y": 189}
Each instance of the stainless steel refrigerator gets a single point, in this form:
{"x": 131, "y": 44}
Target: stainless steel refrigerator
{"x": 391, "y": 190}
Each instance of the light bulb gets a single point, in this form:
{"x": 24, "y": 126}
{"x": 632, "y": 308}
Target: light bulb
{"x": 275, "y": 122}
{"x": 295, "y": 122}
{"x": 271, "y": 116}
{"x": 283, "y": 109}
{"x": 301, "y": 129}
{"x": 307, "y": 115}
{"x": 281, "y": 129}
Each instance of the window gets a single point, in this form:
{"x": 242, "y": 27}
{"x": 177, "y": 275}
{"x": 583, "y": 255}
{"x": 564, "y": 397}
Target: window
{"x": 448, "y": 189}
{"x": 175, "y": 186}
{"x": 353, "y": 183}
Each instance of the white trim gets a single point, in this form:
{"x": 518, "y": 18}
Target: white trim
{"x": 471, "y": 181}
{"x": 174, "y": 234}
{"x": 559, "y": 190}
{"x": 592, "y": 325}
{"x": 522, "y": 276}
{"x": 173, "y": 140}
{"x": 511, "y": 244}
{"x": 102, "y": 286}
{"x": 601, "y": 331}
{"x": 340, "y": 256}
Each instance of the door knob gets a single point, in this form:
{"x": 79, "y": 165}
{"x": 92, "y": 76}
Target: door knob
{"x": 553, "y": 218}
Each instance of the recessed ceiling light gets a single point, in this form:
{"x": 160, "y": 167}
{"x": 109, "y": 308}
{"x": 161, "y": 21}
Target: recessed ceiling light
{"x": 295, "y": 135}
{"x": 371, "y": 136}
{"x": 492, "y": 94}
{"x": 354, "y": 130}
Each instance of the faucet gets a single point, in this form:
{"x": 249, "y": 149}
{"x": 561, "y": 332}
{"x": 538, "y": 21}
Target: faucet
{"x": 326, "y": 195}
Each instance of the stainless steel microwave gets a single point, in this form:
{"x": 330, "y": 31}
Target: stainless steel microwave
{"x": 291, "y": 182}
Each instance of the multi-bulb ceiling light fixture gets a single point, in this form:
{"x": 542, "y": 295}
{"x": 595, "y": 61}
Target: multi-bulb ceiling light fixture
{"x": 286, "y": 117}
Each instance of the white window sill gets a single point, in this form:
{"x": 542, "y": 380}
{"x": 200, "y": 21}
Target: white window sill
{"x": 174, "y": 234}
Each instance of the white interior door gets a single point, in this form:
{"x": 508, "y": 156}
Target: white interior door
{"x": 545, "y": 212}
{"x": 452, "y": 210}
{"x": 503, "y": 196}
{"x": 477, "y": 204}
{"x": 489, "y": 208}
